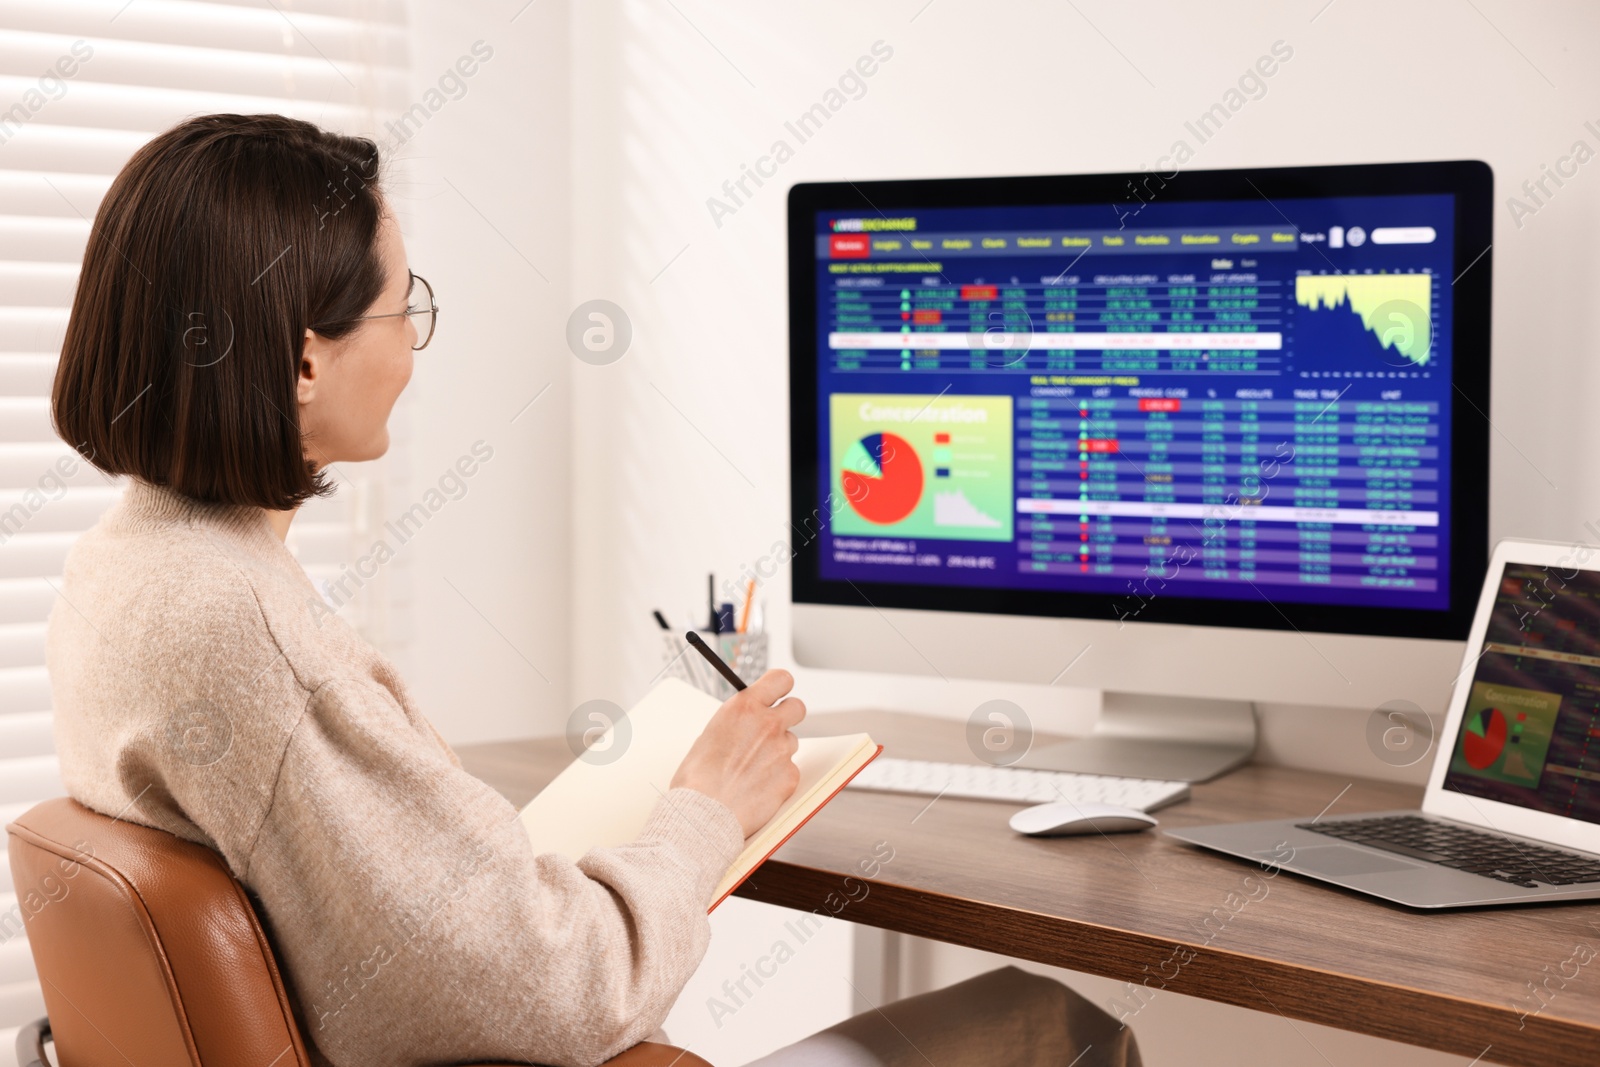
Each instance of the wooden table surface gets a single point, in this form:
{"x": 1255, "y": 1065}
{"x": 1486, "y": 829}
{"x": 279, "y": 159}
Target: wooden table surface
{"x": 1154, "y": 912}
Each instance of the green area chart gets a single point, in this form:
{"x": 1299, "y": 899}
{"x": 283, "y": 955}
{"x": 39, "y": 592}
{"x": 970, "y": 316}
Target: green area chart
{"x": 922, "y": 466}
{"x": 1505, "y": 733}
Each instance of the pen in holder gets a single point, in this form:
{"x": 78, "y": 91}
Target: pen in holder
{"x": 746, "y": 653}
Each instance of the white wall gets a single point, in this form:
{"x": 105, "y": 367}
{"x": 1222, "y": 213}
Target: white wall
{"x": 592, "y": 140}
{"x": 628, "y": 482}
{"x": 680, "y": 447}
{"x": 482, "y": 591}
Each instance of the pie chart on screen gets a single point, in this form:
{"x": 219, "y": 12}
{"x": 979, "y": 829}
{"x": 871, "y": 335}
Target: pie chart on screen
{"x": 882, "y": 478}
{"x": 1484, "y": 737}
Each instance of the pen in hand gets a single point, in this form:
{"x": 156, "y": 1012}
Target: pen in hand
{"x": 715, "y": 660}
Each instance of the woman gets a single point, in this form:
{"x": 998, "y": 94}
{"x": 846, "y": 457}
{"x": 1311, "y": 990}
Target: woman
{"x": 244, "y": 319}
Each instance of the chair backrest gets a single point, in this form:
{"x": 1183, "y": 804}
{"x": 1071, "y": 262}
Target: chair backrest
{"x": 147, "y": 948}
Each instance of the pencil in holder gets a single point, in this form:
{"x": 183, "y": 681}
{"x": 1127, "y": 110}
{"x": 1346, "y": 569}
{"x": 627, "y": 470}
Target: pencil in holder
{"x": 746, "y": 653}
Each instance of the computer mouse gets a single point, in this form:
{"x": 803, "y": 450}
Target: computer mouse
{"x": 1062, "y": 818}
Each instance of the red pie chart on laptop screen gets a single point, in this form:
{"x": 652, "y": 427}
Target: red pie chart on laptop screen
{"x": 882, "y": 478}
{"x": 1484, "y": 738}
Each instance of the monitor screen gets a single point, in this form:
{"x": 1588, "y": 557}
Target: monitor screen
{"x": 1238, "y": 397}
{"x": 1530, "y": 734}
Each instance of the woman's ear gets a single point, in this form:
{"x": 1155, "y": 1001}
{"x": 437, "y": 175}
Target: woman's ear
{"x": 313, "y": 356}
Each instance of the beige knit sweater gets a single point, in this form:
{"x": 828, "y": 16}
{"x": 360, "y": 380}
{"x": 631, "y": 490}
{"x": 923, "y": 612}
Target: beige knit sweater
{"x": 197, "y": 690}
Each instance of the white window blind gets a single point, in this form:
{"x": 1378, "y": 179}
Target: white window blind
{"x": 84, "y": 83}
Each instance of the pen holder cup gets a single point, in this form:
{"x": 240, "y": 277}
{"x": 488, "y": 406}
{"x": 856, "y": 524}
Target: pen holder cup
{"x": 746, "y": 653}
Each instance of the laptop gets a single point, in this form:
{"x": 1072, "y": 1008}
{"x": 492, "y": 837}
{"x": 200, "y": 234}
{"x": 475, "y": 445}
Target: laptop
{"x": 1512, "y": 810}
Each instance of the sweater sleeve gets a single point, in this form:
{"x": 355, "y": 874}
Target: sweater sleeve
{"x": 417, "y": 926}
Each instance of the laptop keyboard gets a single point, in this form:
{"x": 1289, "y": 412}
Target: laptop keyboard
{"x": 1464, "y": 849}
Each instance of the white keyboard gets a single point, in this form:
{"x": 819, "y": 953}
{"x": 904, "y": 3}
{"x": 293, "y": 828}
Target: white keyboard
{"x": 973, "y": 781}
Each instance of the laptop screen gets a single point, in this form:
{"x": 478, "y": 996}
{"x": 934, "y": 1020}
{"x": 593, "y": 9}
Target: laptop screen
{"x": 1530, "y": 735}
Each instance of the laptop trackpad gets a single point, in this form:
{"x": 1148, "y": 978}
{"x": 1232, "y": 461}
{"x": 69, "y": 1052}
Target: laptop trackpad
{"x": 1341, "y": 860}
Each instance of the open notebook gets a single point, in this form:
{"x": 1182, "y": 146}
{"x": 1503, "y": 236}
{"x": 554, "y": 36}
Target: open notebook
{"x": 595, "y": 804}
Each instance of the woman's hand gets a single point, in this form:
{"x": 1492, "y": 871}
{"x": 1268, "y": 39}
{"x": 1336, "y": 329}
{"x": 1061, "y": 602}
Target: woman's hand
{"x": 744, "y": 756}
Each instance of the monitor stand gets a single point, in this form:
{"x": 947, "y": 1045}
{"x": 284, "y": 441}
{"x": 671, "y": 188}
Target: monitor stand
{"x": 1180, "y": 739}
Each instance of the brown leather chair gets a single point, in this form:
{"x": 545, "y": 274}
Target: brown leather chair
{"x": 149, "y": 952}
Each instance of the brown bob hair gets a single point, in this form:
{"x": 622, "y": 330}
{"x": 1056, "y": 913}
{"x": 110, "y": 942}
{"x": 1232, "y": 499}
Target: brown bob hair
{"x": 218, "y": 244}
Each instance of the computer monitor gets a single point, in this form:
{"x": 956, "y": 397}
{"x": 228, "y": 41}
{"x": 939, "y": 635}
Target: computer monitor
{"x": 1196, "y": 439}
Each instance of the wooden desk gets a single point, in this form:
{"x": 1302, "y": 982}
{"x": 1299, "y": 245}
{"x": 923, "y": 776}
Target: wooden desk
{"x": 1148, "y": 910}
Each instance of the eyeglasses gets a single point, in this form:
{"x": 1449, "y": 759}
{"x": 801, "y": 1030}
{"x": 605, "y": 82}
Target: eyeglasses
{"x": 432, "y": 311}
